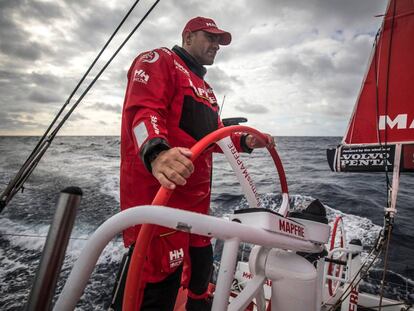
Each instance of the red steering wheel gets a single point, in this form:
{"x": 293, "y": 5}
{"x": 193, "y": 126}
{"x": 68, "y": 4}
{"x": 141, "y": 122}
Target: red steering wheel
{"x": 338, "y": 240}
{"x": 133, "y": 283}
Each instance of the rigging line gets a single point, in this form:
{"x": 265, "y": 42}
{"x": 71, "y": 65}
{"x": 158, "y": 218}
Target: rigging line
{"x": 347, "y": 291}
{"x": 376, "y": 86}
{"x": 387, "y": 87}
{"x": 87, "y": 73}
{"x": 385, "y": 265}
{"x": 222, "y": 105}
{"x": 383, "y": 148}
{"x": 22, "y": 175}
{"x": 388, "y": 220}
{"x": 40, "y": 143}
{"x": 46, "y": 143}
{"x": 102, "y": 70}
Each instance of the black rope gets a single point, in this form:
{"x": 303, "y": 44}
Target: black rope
{"x": 30, "y": 164}
{"x": 376, "y": 84}
{"x": 222, "y": 105}
{"x": 354, "y": 281}
{"x": 385, "y": 266}
{"x": 103, "y": 69}
{"x": 387, "y": 93}
{"x": 388, "y": 222}
{"x": 383, "y": 147}
{"x": 23, "y": 174}
{"x": 84, "y": 76}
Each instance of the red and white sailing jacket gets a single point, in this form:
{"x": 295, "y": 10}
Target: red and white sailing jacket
{"x": 167, "y": 104}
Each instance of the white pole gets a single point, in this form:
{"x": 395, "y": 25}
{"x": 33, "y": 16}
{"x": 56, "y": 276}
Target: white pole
{"x": 395, "y": 181}
{"x": 226, "y": 274}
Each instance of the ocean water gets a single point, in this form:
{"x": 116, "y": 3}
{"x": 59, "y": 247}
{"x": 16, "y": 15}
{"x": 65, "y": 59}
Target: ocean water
{"x": 92, "y": 163}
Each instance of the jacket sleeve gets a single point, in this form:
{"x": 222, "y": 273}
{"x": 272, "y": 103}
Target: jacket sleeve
{"x": 151, "y": 81}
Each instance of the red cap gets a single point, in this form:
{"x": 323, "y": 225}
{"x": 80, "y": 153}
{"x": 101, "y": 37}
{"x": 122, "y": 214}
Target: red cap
{"x": 207, "y": 25}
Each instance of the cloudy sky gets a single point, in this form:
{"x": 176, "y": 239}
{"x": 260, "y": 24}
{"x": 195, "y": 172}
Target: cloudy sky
{"x": 294, "y": 67}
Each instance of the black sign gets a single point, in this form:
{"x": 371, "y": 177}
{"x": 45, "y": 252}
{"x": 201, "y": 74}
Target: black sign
{"x": 361, "y": 159}
{"x": 370, "y": 158}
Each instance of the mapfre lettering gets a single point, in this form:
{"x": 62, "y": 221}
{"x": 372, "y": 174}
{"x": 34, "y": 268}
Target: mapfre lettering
{"x": 399, "y": 122}
{"x": 291, "y": 228}
{"x": 245, "y": 173}
{"x": 353, "y": 300}
{"x": 248, "y": 275}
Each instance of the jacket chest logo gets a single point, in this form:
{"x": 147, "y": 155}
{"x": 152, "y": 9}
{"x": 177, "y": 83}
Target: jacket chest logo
{"x": 203, "y": 93}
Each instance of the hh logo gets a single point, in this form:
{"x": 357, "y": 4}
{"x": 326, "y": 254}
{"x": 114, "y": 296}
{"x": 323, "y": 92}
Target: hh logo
{"x": 141, "y": 76}
{"x": 176, "y": 257}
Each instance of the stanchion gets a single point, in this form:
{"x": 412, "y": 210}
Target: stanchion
{"x": 54, "y": 251}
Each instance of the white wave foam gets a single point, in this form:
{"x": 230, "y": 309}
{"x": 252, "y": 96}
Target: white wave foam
{"x": 110, "y": 186}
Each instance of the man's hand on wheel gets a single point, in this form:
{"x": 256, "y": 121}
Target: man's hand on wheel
{"x": 172, "y": 167}
{"x": 253, "y": 143}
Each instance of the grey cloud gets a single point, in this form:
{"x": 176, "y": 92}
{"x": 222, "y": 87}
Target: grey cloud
{"x": 7, "y": 4}
{"x": 251, "y": 108}
{"x": 14, "y": 15}
{"x": 263, "y": 29}
{"x": 20, "y": 121}
{"x": 45, "y": 96}
{"x": 27, "y": 51}
{"x": 45, "y": 79}
{"x": 76, "y": 116}
{"x": 15, "y": 42}
{"x": 289, "y": 65}
{"x": 32, "y": 9}
{"x": 8, "y": 76}
{"x": 222, "y": 82}
{"x": 106, "y": 107}
{"x": 332, "y": 80}
{"x": 306, "y": 65}
{"x": 26, "y": 94}
{"x": 188, "y": 7}
{"x": 351, "y": 12}
{"x": 93, "y": 23}
{"x": 21, "y": 90}
{"x": 354, "y": 52}
{"x": 45, "y": 10}
{"x": 268, "y": 25}
{"x": 7, "y": 122}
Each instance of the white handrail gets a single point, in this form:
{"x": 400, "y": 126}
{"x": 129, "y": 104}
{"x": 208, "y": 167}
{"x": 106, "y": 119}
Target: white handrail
{"x": 175, "y": 219}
